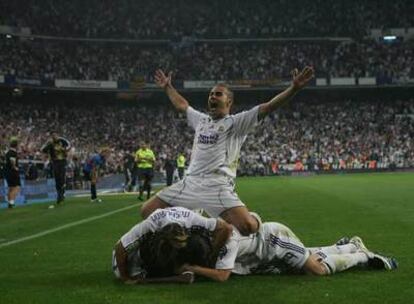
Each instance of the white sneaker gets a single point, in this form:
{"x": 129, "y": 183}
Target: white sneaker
{"x": 96, "y": 200}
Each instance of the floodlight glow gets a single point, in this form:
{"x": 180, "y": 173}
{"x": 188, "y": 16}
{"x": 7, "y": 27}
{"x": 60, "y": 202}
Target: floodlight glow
{"x": 389, "y": 38}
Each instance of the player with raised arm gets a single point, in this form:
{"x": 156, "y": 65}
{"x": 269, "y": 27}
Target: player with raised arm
{"x": 209, "y": 183}
{"x": 173, "y": 226}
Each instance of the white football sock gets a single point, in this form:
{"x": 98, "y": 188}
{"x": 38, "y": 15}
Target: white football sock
{"x": 341, "y": 262}
{"x": 335, "y": 249}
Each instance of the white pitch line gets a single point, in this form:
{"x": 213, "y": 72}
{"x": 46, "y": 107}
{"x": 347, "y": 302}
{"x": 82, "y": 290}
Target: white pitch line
{"x": 49, "y": 231}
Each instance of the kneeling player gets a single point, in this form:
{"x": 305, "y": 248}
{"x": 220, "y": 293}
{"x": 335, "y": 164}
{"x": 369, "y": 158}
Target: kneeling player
{"x": 136, "y": 256}
{"x": 275, "y": 249}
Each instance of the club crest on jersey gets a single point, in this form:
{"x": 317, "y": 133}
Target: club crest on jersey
{"x": 208, "y": 139}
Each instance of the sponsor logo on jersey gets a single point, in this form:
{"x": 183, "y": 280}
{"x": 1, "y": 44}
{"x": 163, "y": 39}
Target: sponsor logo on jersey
{"x": 176, "y": 214}
{"x": 209, "y": 139}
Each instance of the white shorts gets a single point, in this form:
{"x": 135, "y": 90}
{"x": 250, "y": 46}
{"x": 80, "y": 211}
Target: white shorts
{"x": 283, "y": 245}
{"x": 213, "y": 193}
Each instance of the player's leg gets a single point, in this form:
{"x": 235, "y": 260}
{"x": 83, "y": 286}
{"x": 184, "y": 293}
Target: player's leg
{"x": 59, "y": 173}
{"x": 313, "y": 265}
{"x": 151, "y": 205}
{"x": 335, "y": 249}
{"x": 242, "y": 219}
{"x": 62, "y": 179}
{"x": 56, "y": 175}
{"x": 141, "y": 180}
{"x": 93, "y": 177}
{"x": 149, "y": 181}
{"x": 12, "y": 194}
{"x": 321, "y": 264}
{"x": 13, "y": 182}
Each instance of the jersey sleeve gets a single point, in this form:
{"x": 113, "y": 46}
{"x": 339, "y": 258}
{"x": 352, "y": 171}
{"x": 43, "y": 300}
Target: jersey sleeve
{"x": 246, "y": 120}
{"x": 130, "y": 240}
{"x": 228, "y": 254}
{"x": 194, "y": 117}
{"x": 198, "y": 220}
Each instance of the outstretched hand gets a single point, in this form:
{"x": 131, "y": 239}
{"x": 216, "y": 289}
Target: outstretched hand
{"x": 161, "y": 79}
{"x": 301, "y": 79}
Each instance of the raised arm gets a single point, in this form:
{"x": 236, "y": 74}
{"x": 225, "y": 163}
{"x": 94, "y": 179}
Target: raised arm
{"x": 299, "y": 81}
{"x": 164, "y": 82}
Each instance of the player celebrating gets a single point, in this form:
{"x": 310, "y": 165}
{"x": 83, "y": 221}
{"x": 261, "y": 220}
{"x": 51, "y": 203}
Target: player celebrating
{"x": 275, "y": 249}
{"x": 173, "y": 226}
{"x": 91, "y": 170}
{"x": 209, "y": 183}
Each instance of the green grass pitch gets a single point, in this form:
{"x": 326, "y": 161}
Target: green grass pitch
{"x": 73, "y": 265}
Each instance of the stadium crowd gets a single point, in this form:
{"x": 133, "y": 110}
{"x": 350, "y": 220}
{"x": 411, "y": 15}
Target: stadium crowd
{"x": 45, "y": 60}
{"x": 135, "y": 19}
{"x": 304, "y": 136}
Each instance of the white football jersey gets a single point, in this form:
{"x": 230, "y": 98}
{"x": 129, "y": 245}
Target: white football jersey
{"x": 239, "y": 246}
{"x": 157, "y": 220}
{"x": 274, "y": 249}
{"x": 162, "y": 217}
{"x": 217, "y": 143}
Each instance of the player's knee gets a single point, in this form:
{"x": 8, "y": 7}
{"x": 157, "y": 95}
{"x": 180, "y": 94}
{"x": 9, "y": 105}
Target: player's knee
{"x": 151, "y": 205}
{"x": 314, "y": 266}
{"x": 249, "y": 226}
{"x": 146, "y": 210}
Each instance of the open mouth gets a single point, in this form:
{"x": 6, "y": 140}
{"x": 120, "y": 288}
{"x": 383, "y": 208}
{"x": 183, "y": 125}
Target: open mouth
{"x": 213, "y": 105}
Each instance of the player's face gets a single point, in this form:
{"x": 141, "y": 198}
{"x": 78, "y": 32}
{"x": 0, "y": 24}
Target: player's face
{"x": 54, "y": 136}
{"x": 219, "y": 102}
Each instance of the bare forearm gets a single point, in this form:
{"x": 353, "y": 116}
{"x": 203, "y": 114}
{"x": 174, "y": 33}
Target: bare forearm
{"x": 214, "y": 274}
{"x": 221, "y": 235}
{"x": 121, "y": 261}
{"x": 179, "y": 102}
{"x": 186, "y": 278}
{"x": 277, "y": 101}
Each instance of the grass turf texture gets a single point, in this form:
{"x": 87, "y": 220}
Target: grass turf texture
{"x": 73, "y": 265}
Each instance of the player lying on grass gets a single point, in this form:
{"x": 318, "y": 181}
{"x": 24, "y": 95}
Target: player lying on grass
{"x": 143, "y": 254}
{"x": 275, "y": 249}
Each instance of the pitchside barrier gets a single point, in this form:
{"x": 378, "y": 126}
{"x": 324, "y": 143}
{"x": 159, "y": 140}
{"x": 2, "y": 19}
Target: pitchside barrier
{"x": 43, "y": 190}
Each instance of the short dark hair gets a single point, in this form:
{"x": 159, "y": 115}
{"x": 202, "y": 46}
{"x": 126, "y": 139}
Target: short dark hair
{"x": 197, "y": 252}
{"x": 227, "y": 87}
{"x": 159, "y": 251}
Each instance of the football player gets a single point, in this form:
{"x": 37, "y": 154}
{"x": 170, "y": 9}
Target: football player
{"x": 275, "y": 249}
{"x": 136, "y": 256}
